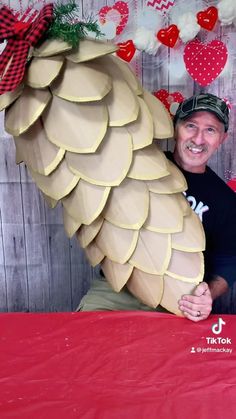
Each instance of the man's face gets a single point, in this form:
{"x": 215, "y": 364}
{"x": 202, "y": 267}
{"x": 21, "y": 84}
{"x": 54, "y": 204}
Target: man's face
{"x": 197, "y": 138}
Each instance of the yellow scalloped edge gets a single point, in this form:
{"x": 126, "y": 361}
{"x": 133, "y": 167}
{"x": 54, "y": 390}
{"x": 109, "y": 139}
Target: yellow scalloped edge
{"x": 8, "y": 98}
{"x": 89, "y": 149}
{"x": 157, "y": 171}
{"x": 127, "y": 120}
{"x": 117, "y": 283}
{"x": 94, "y": 254}
{"x": 154, "y": 271}
{"x": 36, "y": 85}
{"x": 126, "y": 70}
{"x": 129, "y": 251}
{"x": 149, "y": 138}
{"x": 150, "y": 176}
{"x": 34, "y": 118}
{"x": 188, "y": 249}
{"x": 167, "y": 191}
{"x": 74, "y": 56}
{"x": 197, "y": 279}
{"x": 85, "y": 239}
{"x": 52, "y": 166}
{"x": 101, "y": 183}
{"x": 84, "y": 99}
{"x": 135, "y": 226}
{"x": 61, "y": 194}
{"x": 93, "y": 216}
{"x": 43, "y": 52}
{"x": 177, "y": 229}
{"x": 100, "y": 207}
{"x": 70, "y": 225}
{"x": 192, "y": 249}
{"x": 154, "y": 303}
{"x": 170, "y": 308}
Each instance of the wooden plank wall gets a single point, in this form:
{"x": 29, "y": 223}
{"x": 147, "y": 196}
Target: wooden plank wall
{"x": 40, "y": 269}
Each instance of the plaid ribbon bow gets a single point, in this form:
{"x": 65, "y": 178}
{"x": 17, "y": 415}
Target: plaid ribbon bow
{"x": 21, "y": 36}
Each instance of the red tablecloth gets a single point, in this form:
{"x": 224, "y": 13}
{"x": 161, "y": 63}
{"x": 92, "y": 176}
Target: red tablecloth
{"x": 115, "y": 365}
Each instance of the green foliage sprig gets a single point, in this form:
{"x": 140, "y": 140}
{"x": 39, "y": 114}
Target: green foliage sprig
{"x": 67, "y": 26}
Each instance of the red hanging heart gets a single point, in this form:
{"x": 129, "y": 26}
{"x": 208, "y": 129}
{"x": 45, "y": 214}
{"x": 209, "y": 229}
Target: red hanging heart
{"x": 168, "y": 36}
{"x": 205, "y": 62}
{"x": 208, "y": 18}
{"x": 126, "y": 50}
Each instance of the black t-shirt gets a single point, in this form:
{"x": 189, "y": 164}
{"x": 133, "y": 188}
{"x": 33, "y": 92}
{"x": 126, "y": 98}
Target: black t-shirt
{"x": 215, "y": 204}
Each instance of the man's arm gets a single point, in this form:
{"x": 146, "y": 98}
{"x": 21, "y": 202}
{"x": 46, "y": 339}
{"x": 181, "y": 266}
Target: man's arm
{"x": 201, "y": 300}
{"x": 218, "y": 286}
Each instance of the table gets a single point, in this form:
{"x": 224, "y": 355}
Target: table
{"x": 115, "y": 365}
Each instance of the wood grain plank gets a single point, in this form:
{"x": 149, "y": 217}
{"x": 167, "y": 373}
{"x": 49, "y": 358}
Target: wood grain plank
{"x": 36, "y": 249}
{"x": 9, "y": 171}
{"x": 58, "y": 247}
{"x": 3, "y": 283}
{"x": 14, "y": 246}
{"x": 15, "y": 267}
{"x": 81, "y": 273}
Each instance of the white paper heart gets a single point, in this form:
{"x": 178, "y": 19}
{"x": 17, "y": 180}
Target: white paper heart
{"x": 108, "y": 30}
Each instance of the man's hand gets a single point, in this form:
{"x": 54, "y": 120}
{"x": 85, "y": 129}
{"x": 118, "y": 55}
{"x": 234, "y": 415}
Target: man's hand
{"x": 198, "y": 306}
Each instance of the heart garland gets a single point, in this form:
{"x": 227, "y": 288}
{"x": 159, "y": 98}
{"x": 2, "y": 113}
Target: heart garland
{"x": 205, "y": 18}
{"x": 195, "y": 54}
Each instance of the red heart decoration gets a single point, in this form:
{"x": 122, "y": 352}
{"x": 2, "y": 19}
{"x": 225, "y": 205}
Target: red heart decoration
{"x": 168, "y": 36}
{"x": 207, "y": 18}
{"x": 205, "y": 62}
{"x": 126, "y": 50}
{"x": 232, "y": 184}
{"x": 169, "y": 99}
{"x": 118, "y": 13}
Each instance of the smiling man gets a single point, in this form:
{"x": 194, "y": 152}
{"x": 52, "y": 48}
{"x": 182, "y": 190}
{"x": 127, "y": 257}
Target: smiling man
{"x": 201, "y": 125}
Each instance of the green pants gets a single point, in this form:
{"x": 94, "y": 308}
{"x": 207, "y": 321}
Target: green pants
{"x": 102, "y": 297}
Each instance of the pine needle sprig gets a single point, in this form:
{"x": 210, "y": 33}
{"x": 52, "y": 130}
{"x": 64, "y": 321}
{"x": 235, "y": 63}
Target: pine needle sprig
{"x": 67, "y": 26}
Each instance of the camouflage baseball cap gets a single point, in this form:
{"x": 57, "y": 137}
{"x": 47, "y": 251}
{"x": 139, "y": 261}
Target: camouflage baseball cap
{"x": 204, "y": 102}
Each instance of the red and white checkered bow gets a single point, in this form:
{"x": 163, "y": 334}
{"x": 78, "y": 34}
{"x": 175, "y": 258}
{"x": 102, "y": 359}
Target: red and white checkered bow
{"x": 20, "y": 36}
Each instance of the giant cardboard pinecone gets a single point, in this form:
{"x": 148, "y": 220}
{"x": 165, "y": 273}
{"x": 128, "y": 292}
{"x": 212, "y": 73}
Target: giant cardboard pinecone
{"x": 88, "y": 133}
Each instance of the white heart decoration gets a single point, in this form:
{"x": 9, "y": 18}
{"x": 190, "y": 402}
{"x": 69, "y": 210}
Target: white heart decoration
{"x": 108, "y": 30}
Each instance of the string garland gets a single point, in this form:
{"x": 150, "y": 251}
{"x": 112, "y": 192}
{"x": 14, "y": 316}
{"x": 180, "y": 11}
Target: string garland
{"x": 184, "y": 27}
{"x": 205, "y": 19}
{"x": 188, "y": 26}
